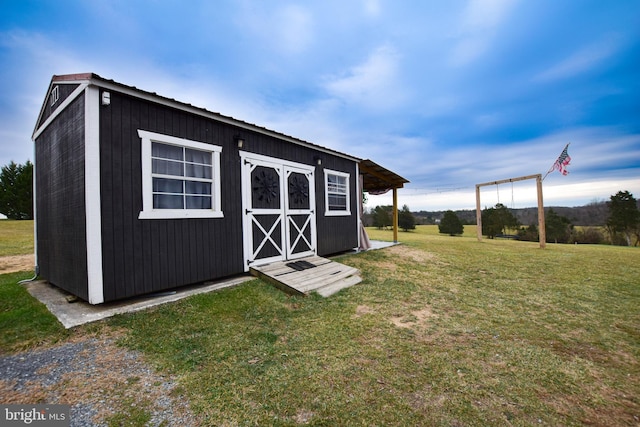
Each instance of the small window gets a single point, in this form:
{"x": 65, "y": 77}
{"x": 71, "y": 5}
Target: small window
{"x": 337, "y": 200}
{"x": 180, "y": 178}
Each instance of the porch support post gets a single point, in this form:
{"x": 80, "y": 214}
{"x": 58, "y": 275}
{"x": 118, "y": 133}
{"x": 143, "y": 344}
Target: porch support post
{"x": 395, "y": 215}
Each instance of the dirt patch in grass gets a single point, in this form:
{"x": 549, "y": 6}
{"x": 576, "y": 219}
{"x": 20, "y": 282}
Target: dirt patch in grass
{"x": 303, "y": 417}
{"x": 15, "y": 263}
{"x": 415, "y": 255}
{"x": 361, "y": 310}
{"x": 414, "y": 318}
{"x": 386, "y": 266}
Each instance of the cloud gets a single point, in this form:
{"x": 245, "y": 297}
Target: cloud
{"x": 315, "y": 122}
{"x": 369, "y": 78}
{"x": 478, "y": 25}
{"x": 373, "y": 84}
{"x": 288, "y": 30}
{"x": 294, "y": 29}
{"x": 581, "y": 61}
{"x": 593, "y": 150}
{"x": 33, "y": 58}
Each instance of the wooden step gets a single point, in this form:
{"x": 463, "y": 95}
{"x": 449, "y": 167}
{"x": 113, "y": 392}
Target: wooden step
{"x": 307, "y": 275}
{"x": 339, "y": 272}
{"x": 332, "y": 288}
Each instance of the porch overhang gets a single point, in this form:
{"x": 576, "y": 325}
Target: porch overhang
{"x": 379, "y": 180}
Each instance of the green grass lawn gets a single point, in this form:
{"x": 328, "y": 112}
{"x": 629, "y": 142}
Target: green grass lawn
{"x": 442, "y": 331}
{"x": 16, "y": 237}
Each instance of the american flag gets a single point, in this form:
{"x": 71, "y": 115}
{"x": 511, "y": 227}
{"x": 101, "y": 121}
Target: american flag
{"x": 563, "y": 161}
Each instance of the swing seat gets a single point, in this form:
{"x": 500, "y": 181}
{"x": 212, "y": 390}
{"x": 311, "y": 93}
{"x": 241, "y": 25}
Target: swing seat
{"x": 507, "y": 236}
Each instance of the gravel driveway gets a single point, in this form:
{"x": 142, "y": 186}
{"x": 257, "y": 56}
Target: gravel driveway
{"x": 97, "y": 378}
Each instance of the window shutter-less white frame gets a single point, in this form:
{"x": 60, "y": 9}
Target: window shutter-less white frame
{"x": 148, "y": 211}
{"x": 341, "y": 212}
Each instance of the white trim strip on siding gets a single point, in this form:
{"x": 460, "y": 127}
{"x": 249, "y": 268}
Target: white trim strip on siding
{"x": 95, "y": 281}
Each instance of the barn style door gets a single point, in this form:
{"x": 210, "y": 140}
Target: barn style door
{"x": 300, "y": 212}
{"x": 278, "y": 208}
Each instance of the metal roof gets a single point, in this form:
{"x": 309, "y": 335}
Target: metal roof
{"x": 377, "y": 179}
{"x": 95, "y": 79}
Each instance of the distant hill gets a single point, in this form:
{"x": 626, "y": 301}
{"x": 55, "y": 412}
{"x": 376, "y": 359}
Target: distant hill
{"x": 593, "y": 214}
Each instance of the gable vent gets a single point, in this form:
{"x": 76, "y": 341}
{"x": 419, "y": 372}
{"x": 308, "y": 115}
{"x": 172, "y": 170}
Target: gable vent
{"x": 55, "y": 95}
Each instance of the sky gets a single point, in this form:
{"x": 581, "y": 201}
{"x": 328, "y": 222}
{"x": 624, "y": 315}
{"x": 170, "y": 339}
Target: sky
{"x": 447, "y": 94}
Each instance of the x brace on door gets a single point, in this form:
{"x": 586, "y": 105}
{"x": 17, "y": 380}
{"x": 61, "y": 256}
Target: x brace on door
{"x": 267, "y": 237}
{"x": 300, "y": 234}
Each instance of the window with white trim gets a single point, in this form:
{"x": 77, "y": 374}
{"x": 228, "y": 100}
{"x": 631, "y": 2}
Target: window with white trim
{"x": 337, "y": 200}
{"x": 180, "y": 178}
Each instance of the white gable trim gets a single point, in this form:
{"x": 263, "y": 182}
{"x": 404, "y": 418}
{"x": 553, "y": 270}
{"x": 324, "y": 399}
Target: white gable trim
{"x": 68, "y": 100}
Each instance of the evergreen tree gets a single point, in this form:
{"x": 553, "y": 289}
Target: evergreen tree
{"x": 558, "y": 228}
{"x": 450, "y": 224}
{"x": 624, "y": 216}
{"x": 496, "y": 220}
{"x": 490, "y": 223}
{"x": 406, "y": 220}
{"x": 590, "y": 235}
{"x": 381, "y": 216}
{"x": 529, "y": 234}
{"x": 16, "y": 191}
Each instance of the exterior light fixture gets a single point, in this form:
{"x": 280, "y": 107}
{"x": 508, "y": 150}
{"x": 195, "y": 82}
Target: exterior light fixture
{"x": 317, "y": 160}
{"x": 239, "y": 140}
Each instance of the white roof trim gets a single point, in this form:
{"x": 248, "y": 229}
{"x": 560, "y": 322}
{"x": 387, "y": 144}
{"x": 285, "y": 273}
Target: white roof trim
{"x": 101, "y": 82}
{"x": 138, "y": 93}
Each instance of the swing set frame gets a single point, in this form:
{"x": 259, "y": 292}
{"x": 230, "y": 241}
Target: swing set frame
{"x": 541, "y": 229}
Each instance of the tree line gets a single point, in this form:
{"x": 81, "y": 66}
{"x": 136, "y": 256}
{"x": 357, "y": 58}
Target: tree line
{"x": 382, "y": 217}
{"x": 595, "y": 213}
{"x": 621, "y": 223}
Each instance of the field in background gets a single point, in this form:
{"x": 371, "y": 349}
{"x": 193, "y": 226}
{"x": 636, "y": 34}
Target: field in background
{"x": 442, "y": 331}
{"x": 16, "y": 237}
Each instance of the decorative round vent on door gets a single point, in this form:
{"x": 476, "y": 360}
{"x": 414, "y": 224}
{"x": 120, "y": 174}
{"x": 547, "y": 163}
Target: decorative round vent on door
{"x": 266, "y": 187}
{"x": 298, "y": 191}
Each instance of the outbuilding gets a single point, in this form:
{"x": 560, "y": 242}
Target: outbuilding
{"x": 136, "y": 193}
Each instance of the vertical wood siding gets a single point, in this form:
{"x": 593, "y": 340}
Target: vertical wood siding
{"x": 60, "y": 202}
{"x": 336, "y": 233}
{"x": 142, "y": 256}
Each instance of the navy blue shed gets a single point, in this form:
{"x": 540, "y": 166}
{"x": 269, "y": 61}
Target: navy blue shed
{"x": 137, "y": 193}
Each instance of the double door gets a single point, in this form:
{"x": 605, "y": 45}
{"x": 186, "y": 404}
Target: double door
{"x": 278, "y": 209}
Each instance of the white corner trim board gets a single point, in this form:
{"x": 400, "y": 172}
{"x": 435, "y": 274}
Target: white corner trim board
{"x": 92, "y": 195}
